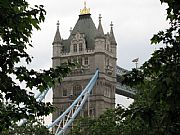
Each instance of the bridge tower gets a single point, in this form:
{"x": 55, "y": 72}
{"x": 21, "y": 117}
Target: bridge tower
{"x": 92, "y": 49}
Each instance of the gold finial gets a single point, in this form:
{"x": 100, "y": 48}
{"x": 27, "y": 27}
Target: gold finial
{"x": 85, "y": 10}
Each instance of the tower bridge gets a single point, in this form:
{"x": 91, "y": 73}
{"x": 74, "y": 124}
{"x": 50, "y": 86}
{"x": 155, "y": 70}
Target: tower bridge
{"x": 92, "y": 49}
{"x": 124, "y": 90}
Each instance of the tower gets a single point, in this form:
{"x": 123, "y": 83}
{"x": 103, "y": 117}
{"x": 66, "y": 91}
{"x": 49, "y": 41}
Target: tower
{"x": 92, "y": 49}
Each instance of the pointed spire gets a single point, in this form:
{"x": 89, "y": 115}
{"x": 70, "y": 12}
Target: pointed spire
{"x": 57, "y": 38}
{"x": 100, "y": 29}
{"x": 100, "y": 32}
{"x": 70, "y": 30}
{"x": 58, "y": 24}
{"x": 112, "y": 38}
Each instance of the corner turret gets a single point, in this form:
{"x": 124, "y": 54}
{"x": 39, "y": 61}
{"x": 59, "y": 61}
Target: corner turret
{"x": 100, "y": 37}
{"x": 112, "y": 38}
{"x": 57, "y": 46}
{"x": 113, "y": 41}
{"x": 100, "y": 28}
{"x": 57, "y": 37}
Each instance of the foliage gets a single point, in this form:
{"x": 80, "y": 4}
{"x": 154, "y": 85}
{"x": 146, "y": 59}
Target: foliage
{"x": 157, "y": 103}
{"x": 34, "y": 127}
{"x": 17, "y": 20}
{"x": 103, "y": 125}
{"x": 156, "y": 108}
{"x": 82, "y": 126}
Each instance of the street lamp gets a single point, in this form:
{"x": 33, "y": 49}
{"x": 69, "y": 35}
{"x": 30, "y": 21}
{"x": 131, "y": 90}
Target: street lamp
{"x": 136, "y": 62}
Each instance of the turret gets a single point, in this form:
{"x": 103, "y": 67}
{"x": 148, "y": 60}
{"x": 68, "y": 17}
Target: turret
{"x": 57, "y": 42}
{"x": 57, "y": 45}
{"x": 112, "y": 40}
{"x": 100, "y": 37}
{"x": 100, "y": 28}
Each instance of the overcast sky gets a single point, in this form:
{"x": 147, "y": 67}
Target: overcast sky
{"x": 135, "y": 22}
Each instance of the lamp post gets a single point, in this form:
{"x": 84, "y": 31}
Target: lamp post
{"x": 136, "y": 62}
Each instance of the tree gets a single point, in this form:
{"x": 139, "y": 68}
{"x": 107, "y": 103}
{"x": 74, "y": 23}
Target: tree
{"x": 105, "y": 124}
{"x": 34, "y": 127}
{"x": 156, "y": 108}
{"x": 157, "y": 103}
{"x": 17, "y": 20}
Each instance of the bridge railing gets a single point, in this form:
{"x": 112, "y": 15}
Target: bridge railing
{"x": 125, "y": 90}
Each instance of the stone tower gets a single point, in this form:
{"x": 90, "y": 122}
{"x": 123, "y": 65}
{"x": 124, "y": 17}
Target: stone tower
{"x": 92, "y": 49}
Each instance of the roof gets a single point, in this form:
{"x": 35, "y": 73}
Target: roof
{"x": 57, "y": 37}
{"x": 86, "y": 26}
{"x": 112, "y": 38}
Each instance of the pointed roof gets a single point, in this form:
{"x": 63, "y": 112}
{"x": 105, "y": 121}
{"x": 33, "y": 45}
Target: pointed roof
{"x": 86, "y": 26}
{"x": 57, "y": 37}
{"x": 100, "y": 28}
{"x": 112, "y": 38}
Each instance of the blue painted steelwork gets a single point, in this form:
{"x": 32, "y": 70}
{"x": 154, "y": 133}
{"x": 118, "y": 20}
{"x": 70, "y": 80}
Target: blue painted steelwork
{"x": 38, "y": 98}
{"x": 66, "y": 119}
{"x": 41, "y": 96}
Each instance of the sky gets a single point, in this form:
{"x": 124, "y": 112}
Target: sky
{"x": 135, "y": 22}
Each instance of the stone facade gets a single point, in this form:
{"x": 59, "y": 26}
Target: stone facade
{"x": 92, "y": 49}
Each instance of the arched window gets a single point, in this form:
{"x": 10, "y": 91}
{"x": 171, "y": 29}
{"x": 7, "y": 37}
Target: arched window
{"x": 64, "y": 94}
{"x": 108, "y": 62}
{"x": 80, "y": 47}
{"x": 108, "y": 47}
{"x": 77, "y": 90}
{"x": 75, "y": 47}
{"x": 86, "y": 61}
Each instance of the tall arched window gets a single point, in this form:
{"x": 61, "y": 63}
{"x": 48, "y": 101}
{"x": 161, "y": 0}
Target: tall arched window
{"x": 77, "y": 90}
{"x": 64, "y": 92}
{"x": 86, "y": 61}
{"x": 80, "y": 47}
{"x": 75, "y": 47}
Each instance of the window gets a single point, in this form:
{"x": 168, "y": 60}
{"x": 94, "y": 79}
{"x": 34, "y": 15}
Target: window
{"x": 107, "y": 92}
{"x": 86, "y": 62}
{"x": 64, "y": 93}
{"x": 80, "y": 47}
{"x": 108, "y": 62}
{"x": 77, "y": 90}
{"x": 75, "y": 47}
{"x": 92, "y": 112}
{"x": 108, "y": 47}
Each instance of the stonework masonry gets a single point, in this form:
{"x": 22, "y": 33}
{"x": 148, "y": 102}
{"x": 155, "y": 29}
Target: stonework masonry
{"x": 92, "y": 49}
